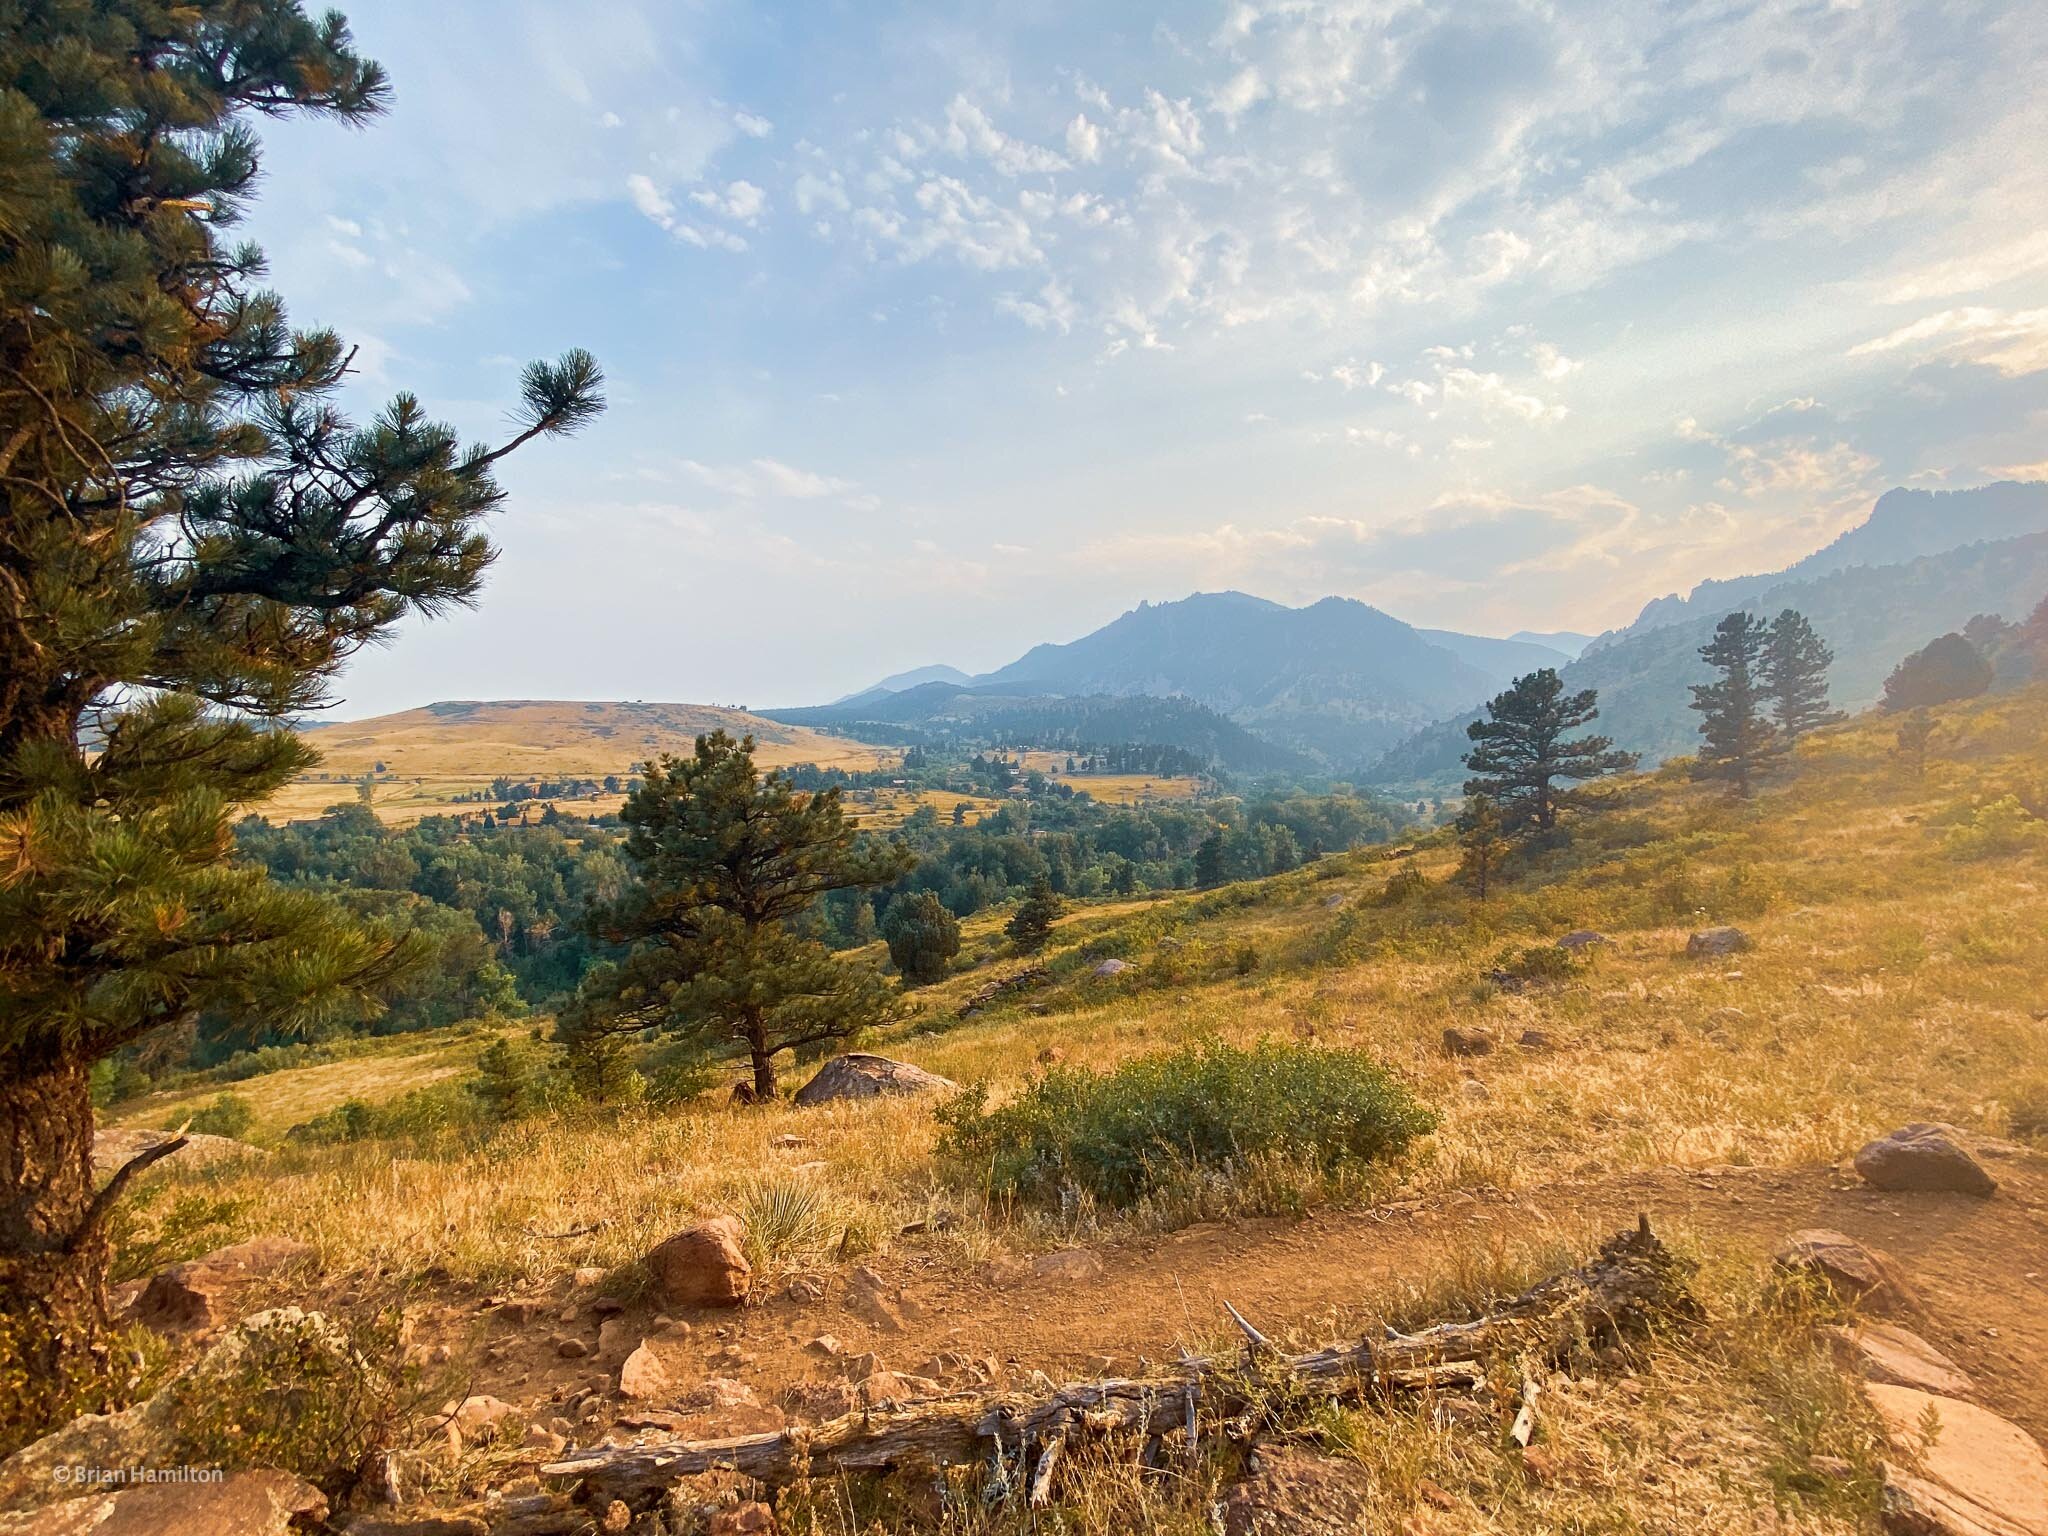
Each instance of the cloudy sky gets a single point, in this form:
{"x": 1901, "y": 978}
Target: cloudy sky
{"x": 938, "y": 330}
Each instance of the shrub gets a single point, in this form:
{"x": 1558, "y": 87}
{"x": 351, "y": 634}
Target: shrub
{"x": 1405, "y": 884}
{"x": 2027, "y": 1112}
{"x": 228, "y": 1115}
{"x": 1128, "y": 1133}
{"x": 1534, "y": 962}
{"x": 515, "y": 1079}
{"x": 2002, "y": 827}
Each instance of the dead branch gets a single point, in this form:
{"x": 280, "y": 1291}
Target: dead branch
{"x": 1633, "y": 1284}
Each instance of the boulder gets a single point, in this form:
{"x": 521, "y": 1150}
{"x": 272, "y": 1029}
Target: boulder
{"x": 1852, "y": 1271}
{"x": 1898, "y": 1357}
{"x": 1981, "y": 1475}
{"x": 704, "y": 1266}
{"x": 1711, "y": 942}
{"x": 256, "y": 1503}
{"x": 1291, "y": 1492}
{"x": 196, "y": 1294}
{"x": 1461, "y": 1041}
{"x": 860, "y": 1076}
{"x": 1538, "y": 1040}
{"x": 1926, "y": 1158}
{"x": 1112, "y": 967}
{"x": 477, "y": 1418}
{"x": 113, "y": 1149}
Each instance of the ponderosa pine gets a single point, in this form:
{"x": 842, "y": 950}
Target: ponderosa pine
{"x": 1738, "y": 739}
{"x": 1525, "y": 754}
{"x": 1795, "y": 676}
{"x": 193, "y": 540}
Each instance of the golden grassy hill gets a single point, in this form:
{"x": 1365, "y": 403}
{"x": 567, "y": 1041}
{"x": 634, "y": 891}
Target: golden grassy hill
{"x": 423, "y": 758}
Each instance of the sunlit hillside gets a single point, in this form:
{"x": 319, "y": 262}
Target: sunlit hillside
{"x": 422, "y": 760}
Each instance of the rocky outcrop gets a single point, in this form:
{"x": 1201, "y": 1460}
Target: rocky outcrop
{"x": 703, "y": 1266}
{"x": 1462, "y": 1041}
{"x": 1898, "y": 1357}
{"x": 1978, "y": 1475}
{"x": 259, "y": 1503}
{"x": 198, "y": 1294}
{"x": 1930, "y": 1158}
{"x": 859, "y": 1076}
{"x": 113, "y": 1149}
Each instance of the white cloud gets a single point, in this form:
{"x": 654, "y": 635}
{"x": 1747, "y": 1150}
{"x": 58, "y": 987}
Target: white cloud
{"x": 2013, "y": 342}
{"x": 752, "y": 126}
{"x": 741, "y": 201}
{"x": 770, "y": 479}
{"x": 1084, "y": 139}
{"x": 969, "y": 131}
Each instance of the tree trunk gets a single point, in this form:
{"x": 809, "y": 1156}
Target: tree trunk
{"x": 53, "y": 1247}
{"x": 764, "y": 1058}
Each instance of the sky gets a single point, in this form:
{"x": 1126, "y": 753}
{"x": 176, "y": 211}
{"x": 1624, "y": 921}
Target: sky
{"x": 934, "y": 331}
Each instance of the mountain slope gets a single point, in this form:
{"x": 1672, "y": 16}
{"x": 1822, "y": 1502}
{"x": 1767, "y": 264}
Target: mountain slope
{"x": 1871, "y": 616}
{"x": 1337, "y": 679}
{"x": 1903, "y": 525}
{"x": 915, "y": 678}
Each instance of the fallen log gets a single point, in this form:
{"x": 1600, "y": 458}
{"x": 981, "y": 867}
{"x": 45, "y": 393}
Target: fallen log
{"x": 1632, "y": 1285}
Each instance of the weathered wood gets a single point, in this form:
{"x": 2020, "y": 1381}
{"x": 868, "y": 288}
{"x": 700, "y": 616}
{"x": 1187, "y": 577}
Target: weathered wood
{"x": 1633, "y": 1283}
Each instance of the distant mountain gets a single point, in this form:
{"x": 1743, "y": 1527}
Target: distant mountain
{"x": 1564, "y": 640}
{"x": 911, "y": 679}
{"x": 1904, "y": 525}
{"x": 939, "y": 713}
{"x": 1872, "y": 616}
{"x": 1337, "y": 679}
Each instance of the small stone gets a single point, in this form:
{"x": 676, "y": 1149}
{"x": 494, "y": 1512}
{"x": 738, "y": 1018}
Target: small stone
{"x": 587, "y": 1276}
{"x": 1714, "y": 942}
{"x": 540, "y": 1438}
{"x": 1537, "y": 1040}
{"x": 607, "y": 1306}
{"x": 477, "y": 1418}
{"x": 571, "y": 1349}
{"x": 752, "y": 1518}
{"x": 1473, "y": 1091}
{"x": 617, "y": 1517}
{"x": 642, "y": 1376}
{"x": 825, "y": 1344}
{"x": 1462, "y": 1041}
{"x": 1581, "y": 939}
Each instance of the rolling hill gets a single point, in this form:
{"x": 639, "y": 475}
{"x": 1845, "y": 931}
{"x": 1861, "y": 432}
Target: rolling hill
{"x": 423, "y": 758}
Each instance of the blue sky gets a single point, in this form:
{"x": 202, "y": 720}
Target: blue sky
{"x": 938, "y": 330}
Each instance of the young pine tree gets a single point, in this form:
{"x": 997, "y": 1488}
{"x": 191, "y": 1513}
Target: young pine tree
{"x": 727, "y": 860}
{"x": 1524, "y": 752}
{"x": 1483, "y": 844}
{"x": 1916, "y": 734}
{"x": 1739, "y": 740}
{"x": 923, "y": 937}
{"x": 1030, "y": 926}
{"x": 1795, "y": 676}
{"x": 193, "y": 540}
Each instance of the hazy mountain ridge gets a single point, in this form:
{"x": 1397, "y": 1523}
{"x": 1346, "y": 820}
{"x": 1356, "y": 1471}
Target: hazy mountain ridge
{"x": 1872, "y": 616}
{"x": 1903, "y": 525}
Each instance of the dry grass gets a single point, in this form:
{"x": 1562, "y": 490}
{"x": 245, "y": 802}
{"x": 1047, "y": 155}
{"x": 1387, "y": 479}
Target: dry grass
{"x": 431, "y": 755}
{"x": 1889, "y": 981}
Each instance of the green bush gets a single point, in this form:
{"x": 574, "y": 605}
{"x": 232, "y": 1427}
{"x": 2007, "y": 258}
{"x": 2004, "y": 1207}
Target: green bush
{"x": 1405, "y": 884}
{"x": 1131, "y": 1132}
{"x": 2002, "y": 827}
{"x": 228, "y": 1115}
{"x": 1535, "y": 962}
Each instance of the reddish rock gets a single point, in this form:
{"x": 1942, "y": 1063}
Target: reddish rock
{"x": 643, "y": 1377}
{"x": 1296, "y": 1493}
{"x": 753, "y": 1518}
{"x": 704, "y": 1266}
{"x": 1851, "y": 1270}
{"x": 1980, "y": 1475}
{"x": 1926, "y": 1158}
{"x": 196, "y": 1294}
{"x": 1461, "y": 1041}
{"x": 1885, "y": 1352}
{"x": 256, "y": 1503}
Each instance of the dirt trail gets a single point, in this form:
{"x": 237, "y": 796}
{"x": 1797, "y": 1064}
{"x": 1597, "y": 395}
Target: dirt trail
{"x": 1980, "y": 1267}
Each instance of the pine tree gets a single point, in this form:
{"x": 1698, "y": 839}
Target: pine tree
{"x": 727, "y": 861}
{"x": 1484, "y": 846}
{"x": 923, "y": 936}
{"x": 1739, "y": 741}
{"x": 2033, "y": 641}
{"x": 1524, "y": 749}
{"x": 1940, "y": 672}
{"x": 1210, "y": 855}
{"x": 1030, "y": 926}
{"x": 193, "y": 542}
{"x": 1795, "y": 676}
{"x": 1916, "y": 733}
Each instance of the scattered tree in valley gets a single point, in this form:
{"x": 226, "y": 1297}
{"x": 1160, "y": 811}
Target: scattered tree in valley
{"x": 923, "y": 937}
{"x": 1940, "y": 672}
{"x": 1739, "y": 740}
{"x": 194, "y": 540}
{"x": 727, "y": 860}
{"x": 1483, "y": 843}
{"x": 1030, "y": 926}
{"x": 1525, "y": 754}
{"x": 1795, "y": 676}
